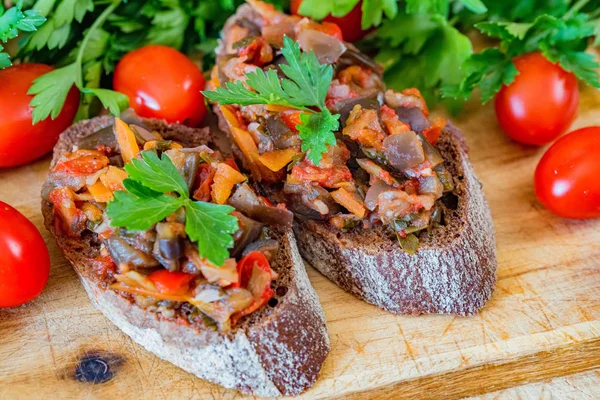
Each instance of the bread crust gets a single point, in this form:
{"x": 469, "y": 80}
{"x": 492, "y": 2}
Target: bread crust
{"x": 273, "y": 352}
{"x": 454, "y": 270}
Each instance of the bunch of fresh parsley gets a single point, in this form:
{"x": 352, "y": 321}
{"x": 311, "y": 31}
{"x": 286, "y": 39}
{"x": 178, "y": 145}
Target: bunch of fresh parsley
{"x": 561, "y": 33}
{"x": 155, "y": 190}
{"x": 305, "y": 88}
{"x": 87, "y": 38}
{"x": 14, "y": 20}
{"x": 423, "y": 43}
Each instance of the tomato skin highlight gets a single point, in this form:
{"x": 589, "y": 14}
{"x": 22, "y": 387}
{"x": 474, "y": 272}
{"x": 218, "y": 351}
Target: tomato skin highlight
{"x": 567, "y": 177}
{"x": 349, "y": 24}
{"x": 540, "y": 104}
{"x": 171, "y": 283}
{"x": 24, "y": 259}
{"x": 162, "y": 83}
{"x": 20, "y": 141}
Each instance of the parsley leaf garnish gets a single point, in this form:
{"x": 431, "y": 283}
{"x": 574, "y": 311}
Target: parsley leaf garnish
{"x": 305, "y": 86}
{"x": 156, "y": 189}
{"x": 14, "y": 20}
{"x": 212, "y": 226}
{"x": 315, "y": 132}
{"x": 51, "y": 89}
{"x": 561, "y": 39}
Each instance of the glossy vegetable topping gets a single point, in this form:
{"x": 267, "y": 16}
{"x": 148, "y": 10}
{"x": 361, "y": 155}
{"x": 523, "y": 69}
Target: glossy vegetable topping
{"x": 21, "y": 141}
{"x": 540, "y": 104}
{"x": 354, "y": 154}
{"x": 24, "y": 259}
{"x": 566, "y": 178}
{"x": 162, "y": 83}
{"x": 165, "y": 224}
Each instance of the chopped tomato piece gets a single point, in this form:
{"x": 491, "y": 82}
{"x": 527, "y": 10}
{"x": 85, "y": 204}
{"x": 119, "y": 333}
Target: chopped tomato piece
{"x": 171, "y": 283}
{"x": 332, "y": 29}
{"x": 204, "y": 177}
{"x": 245, "y": 265}
{"x": 82, "y": 162}
{"x": 258, "y": 52}
{"x": 358, "y": 75}
{"x": 231, "y": 162}
{"x": 292, "y": 119}
{"x": 432, "y": 134}
{"x": 326, "y": 177}
{"x": 70, "y": 219}
{"x": 256, "y": 275}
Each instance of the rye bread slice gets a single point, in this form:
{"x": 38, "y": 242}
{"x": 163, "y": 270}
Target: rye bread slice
{"x": 454, "y": 270}
{"x": 274, "y": 351}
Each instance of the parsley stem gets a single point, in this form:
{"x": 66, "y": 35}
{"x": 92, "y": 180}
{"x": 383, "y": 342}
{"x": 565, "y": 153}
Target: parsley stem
{"x": 98, "y": 23}
{"x": 576, "y": 7}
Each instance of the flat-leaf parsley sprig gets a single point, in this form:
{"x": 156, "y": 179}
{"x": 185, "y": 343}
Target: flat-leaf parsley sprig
{"x": 50, "y": 90}
{"x": 14, "y": 20}
{"x": 155, "y": 190}
{"x": 304, "y": 88}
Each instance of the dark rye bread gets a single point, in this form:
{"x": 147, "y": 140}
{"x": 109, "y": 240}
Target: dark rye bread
{"x": 273, "y": 352}
{"x": 454, "y": 270}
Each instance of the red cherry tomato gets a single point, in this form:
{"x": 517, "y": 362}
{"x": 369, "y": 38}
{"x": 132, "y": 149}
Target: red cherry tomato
{"x": 24, "y": 259}
{"x": 567, "y": 177}
{"x": 349, "y": 24}
{"x": 540, "y": 104}
{"x": 20, "y": 141}
{"x": 162, "y": 83}
{"x": 171, "y": 283}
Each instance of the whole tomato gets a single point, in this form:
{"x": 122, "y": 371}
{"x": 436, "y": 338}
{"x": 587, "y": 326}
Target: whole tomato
{"x": 349, "y": 24}
{"x": 567, "y": 178}
{"x": 21, "y": 141}
{"x": 24, "y": 259}
{"x": 540, "y": 104}
{"x": 162, "y": 83}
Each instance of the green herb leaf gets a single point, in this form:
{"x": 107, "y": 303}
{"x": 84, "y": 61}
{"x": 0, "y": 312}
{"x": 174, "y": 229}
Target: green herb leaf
{"x": 372, "y": 10}
{"x": 267, "y": 88}
{"x": 14, "y": 20}
{"x": 475, "y": 6}
{"x": 145, "y": 203}
{"x": 51, "y": 91}
{"x": 306, "y": 86}
{"x": 211, "y": 226}
{"x": 423, "y": 51}
{"x": 582, "y": 64}
{"x": 158, "y": 174}
{"x": 114, "y": 101}
{"x": 316, "y": 132}
{"x": 309, "y": 80}
{"x": 138, "y": 208}
{"x": 489, "y": 69}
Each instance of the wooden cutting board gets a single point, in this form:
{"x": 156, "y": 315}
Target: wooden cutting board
{"x": 542, "y": 322}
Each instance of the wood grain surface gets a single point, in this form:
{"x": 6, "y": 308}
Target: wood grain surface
{"x": 542, "y": 323}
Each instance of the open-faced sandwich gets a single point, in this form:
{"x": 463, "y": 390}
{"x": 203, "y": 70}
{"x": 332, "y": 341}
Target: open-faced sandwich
{"x": 176, "y": 248}
{"x": 386, "y": 201}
